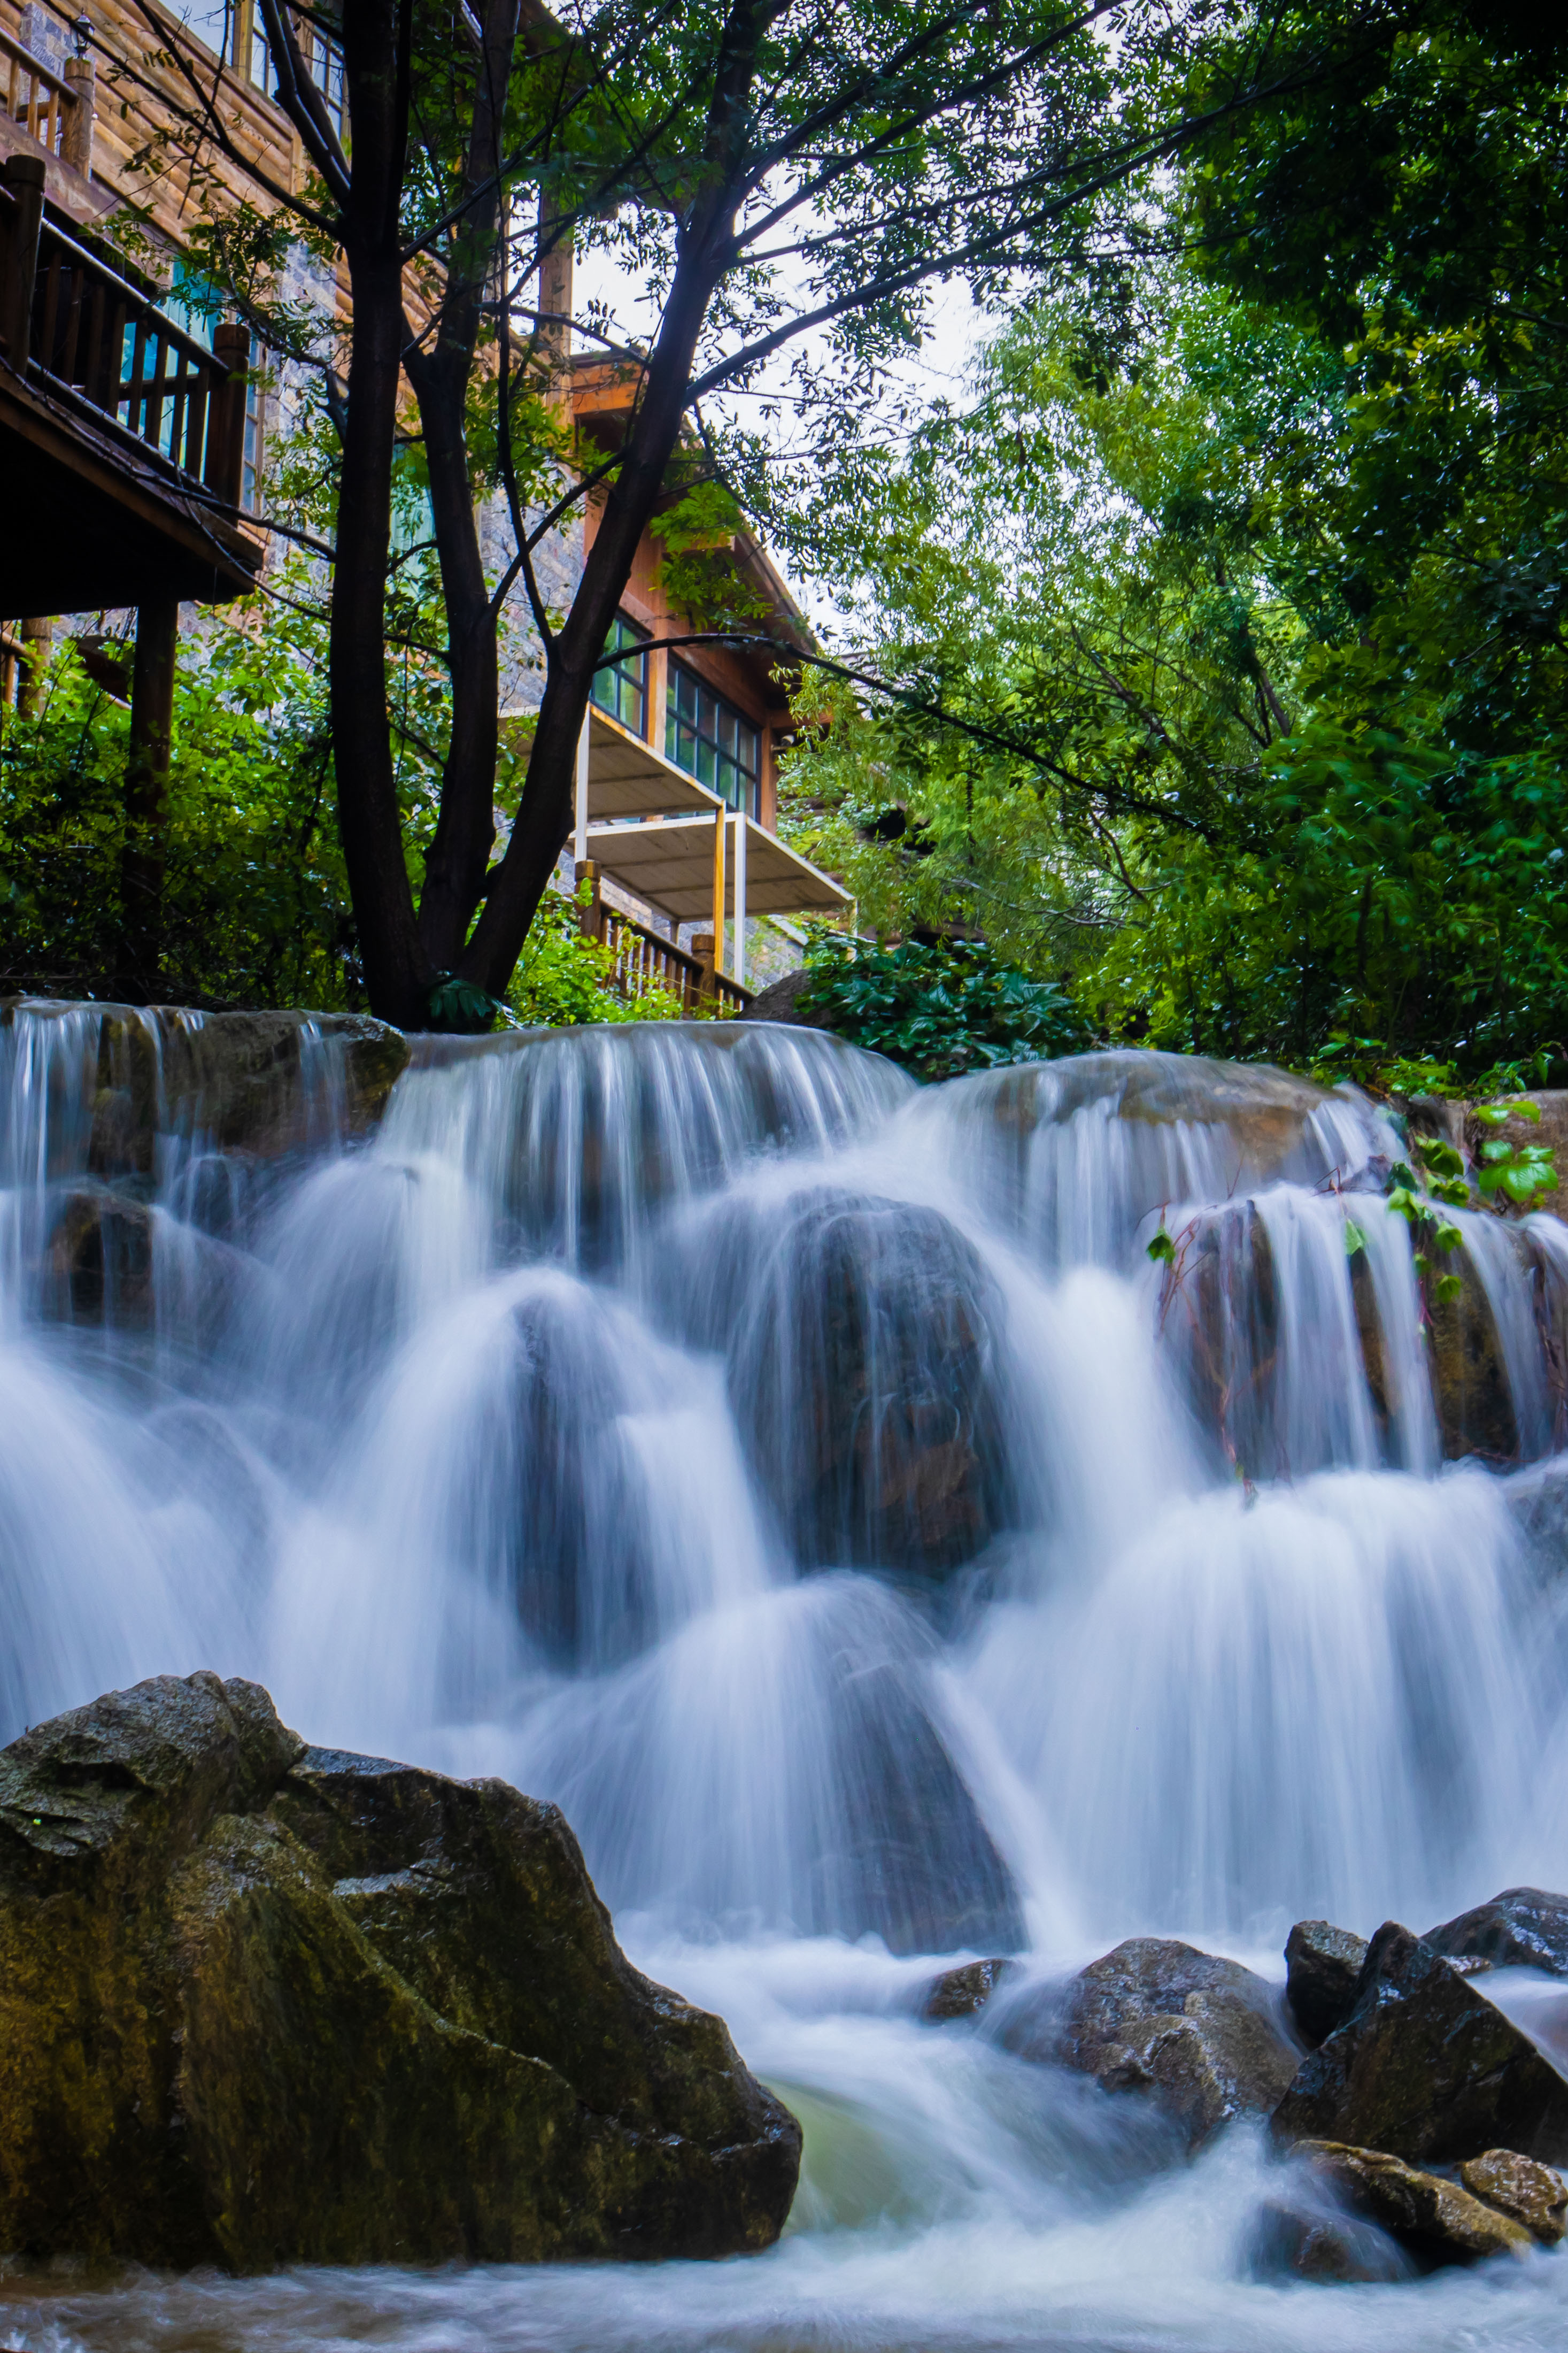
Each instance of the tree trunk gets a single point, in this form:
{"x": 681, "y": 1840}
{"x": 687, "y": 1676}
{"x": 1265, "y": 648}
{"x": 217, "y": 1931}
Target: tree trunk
{"x": 397, "y": 970}
{"x": 465, "y": 829}
{"x": 545, "y": 810}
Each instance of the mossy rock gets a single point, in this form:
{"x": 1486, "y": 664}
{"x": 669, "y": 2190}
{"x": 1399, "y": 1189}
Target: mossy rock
{"x": 260, "y": 2004}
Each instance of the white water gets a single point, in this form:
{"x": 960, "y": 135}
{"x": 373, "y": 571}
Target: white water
{"x": 482, "y": 1447}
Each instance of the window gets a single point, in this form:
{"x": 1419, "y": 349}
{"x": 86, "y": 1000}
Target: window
{"x": 623, "y": 691}
{"x": 250, "y": 464}
{"x": 325, "y": 60}
{"x": 707, "y": 737}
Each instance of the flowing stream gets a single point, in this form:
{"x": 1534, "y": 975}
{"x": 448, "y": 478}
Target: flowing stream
{"x": 811, "y": 1483}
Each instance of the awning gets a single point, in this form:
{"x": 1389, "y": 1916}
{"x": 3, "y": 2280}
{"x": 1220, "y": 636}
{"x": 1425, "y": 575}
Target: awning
{"x": 671, "y": 865}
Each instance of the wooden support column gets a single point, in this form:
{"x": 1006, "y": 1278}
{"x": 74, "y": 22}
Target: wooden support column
{"x": 708, "y": 975}
{"x": 37, "y": 636}
{"x": 146, "y": 797}
{"x": 224, "y": 469}
{"x": 738, "y": 964}
{"x": 25, "y": 179}
{"x": 719, "y": 824}
{"x": 591, "y": 910}
{"x": 75, "y": 134}
{"x": 580, "y": 831}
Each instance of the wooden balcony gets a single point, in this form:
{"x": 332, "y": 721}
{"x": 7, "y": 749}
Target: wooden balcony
{"x": 122, "y": 437}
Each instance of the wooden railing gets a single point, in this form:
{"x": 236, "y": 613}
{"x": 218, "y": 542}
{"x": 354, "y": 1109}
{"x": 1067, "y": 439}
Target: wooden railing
{"x": 69, "y": 318}
{"x": 54, "y": 109}
{"x": 645, "y": 960}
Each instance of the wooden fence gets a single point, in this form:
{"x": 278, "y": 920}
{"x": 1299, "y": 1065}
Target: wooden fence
{"x": 645, "y": 960}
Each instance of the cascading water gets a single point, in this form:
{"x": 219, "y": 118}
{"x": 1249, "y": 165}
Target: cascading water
{"x": 810, "y": 1482}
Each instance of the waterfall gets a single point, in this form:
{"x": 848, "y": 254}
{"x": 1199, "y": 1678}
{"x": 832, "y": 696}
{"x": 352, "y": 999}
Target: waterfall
{"x": 812, "y": 1485}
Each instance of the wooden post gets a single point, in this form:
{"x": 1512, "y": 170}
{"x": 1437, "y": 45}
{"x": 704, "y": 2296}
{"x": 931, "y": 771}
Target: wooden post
{"x": 24, "y": 178}
{"x": 37, "y": 636}
{"x": 224, "y": 469}
{"x": 591, "y": 914}
{"x": 76, "y": 139}
{"x": 720, "y": 822}
{"x": 740, "y": 958}
{"x": 146, "y": 794}
{"x": 584, "y": 747}
{"x": 708, "y": 978}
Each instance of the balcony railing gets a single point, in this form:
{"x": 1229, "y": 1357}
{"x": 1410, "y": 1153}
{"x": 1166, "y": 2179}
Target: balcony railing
{"x": 75, "y": 327}
{"x": 643, "y": 960}
{"x": 55, "y": 110}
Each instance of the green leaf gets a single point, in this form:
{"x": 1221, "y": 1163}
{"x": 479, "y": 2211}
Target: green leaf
{"x": 1448, "y": 1286}
{"x": 1162, "y": 1248}
{"x": 1355, "y": 1239}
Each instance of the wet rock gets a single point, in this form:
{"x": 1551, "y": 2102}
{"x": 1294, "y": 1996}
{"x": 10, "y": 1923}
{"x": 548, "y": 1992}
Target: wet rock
{"x": 1532, "y": 2194}
{"x": 262, "y": 1083}
{"x": 1469, "y": 1377}
{"x": 1425, "y": 2067}
{"x": 1218, "y": 1317}
{"x": 1523, "y": 1929}
{"x": 1312, "y": 2237}
{"x": 781, "y": 1001}
{"x": 98, "y": 1261}
{"x": 1197, "y": 2034}
{"x": 1322, "y": 1965}
{"x": 263, "y": 2005}
{"x": 860, "y": 1337}
{"x": 1438, "y": 2220}
{"x": 272, "y": 1082}
{"x": 964, "y": 1992}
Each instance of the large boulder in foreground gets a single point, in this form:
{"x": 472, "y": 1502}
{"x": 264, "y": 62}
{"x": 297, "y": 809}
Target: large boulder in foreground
{"x": 1426, "y": 2068}
{"x": 1198, "y": 2035}
{"x": 263, "y": 2004}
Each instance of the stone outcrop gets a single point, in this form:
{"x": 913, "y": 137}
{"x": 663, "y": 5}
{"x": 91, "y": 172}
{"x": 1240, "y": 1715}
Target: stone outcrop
{"x": 262, "y": 1083}
{"x": 1469, "y": 1376}
{"x": 782, "y": 1001}
{"x": 262, "y": 2004}
{"x": 1322, "y": 1967}
{"x": 860, "y": 1337}
{"x": 1523, "y": 1929}
{"x": 964, "y": 1991}
{"x": 1199, "y": 2036}
{"x": 1441, "y": 2222}
{"x": 98, "y": 1261}
{"x": 1426, "y": 2068}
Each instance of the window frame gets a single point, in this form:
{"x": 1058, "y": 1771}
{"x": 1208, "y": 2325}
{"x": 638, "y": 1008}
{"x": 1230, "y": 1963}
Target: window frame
{"x": 706, "y": 736}
{"x": 627, "y": 680}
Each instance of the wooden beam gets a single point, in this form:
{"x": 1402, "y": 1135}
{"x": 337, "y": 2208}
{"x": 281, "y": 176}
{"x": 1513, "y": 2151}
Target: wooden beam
{"x": 146, "y": 796}
{"x": 721, "y": 820}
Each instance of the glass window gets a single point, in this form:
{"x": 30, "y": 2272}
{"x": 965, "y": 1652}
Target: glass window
{"x": 253, "y": 47}
{"x": 708, "y": 738}
{"x": 623, "y": 691}
{"x": 326, "y": 63}
{"x": 250, "y": 468}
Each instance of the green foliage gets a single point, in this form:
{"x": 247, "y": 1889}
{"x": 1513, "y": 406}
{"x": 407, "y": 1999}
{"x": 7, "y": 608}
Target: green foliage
{"x": 939, "y": 1011}
{"x": 256, "y": 901}
{"x": 1244, "y": 585}
{"x": 564, "y": 977}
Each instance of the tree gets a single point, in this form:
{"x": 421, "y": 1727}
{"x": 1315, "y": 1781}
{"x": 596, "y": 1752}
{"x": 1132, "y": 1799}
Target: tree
{"x": 789, "y": 177}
